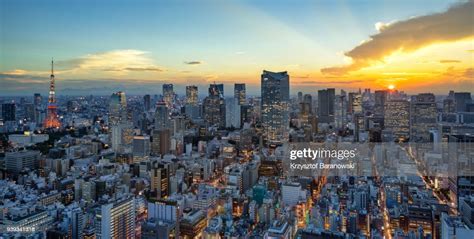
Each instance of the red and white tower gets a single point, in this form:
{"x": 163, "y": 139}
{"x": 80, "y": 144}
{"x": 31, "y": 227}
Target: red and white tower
{"x": 52, "y": 120}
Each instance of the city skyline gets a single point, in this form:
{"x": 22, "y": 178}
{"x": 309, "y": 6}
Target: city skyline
{"x": 258, "y": 119}
{"x": 138, "y": 47}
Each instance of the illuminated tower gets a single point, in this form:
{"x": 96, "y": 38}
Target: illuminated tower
{"x": 52, "y": 120}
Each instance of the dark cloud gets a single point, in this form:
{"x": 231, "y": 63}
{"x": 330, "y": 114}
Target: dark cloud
{"x": 410, "y": 35}
{"x": 193, "y": 62}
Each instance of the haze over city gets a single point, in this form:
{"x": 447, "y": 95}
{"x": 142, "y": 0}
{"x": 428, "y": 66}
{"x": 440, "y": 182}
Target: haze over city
{"x": 101, "y": 47}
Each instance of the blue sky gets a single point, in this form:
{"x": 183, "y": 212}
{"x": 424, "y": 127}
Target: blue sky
{"x": 231, "y": 40}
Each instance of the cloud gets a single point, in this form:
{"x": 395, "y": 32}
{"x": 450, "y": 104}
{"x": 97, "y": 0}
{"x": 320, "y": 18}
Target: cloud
{"x": 315, "y": 82}
{"x": 301, "y": 76}
{"x": 449, "y": 61}
{"x": 469, "y": 73}
{"x": 193, "y": 62}
{"x": 410, "y": 35}
{"x": 380, "y": 26}
{"x": 15, "y": 72}
{"x": 128, "y": 60}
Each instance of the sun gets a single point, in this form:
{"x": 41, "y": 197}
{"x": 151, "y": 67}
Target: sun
{"x": 391, "y": 87}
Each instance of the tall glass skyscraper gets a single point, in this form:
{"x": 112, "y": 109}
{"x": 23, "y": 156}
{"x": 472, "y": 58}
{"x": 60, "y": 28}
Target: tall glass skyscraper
{"x": 423, "y": 117}
{"x": 275, "y": 93}
{"x": 191, "y": 95}
{"x": 326, "y": 100}
{"x": 117, "y": 108}
{"x": 239, "y": 93}
{"x": 168, "y": 94}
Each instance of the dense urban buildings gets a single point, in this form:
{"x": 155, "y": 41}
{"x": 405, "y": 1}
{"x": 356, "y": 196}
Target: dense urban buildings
{"x": 178, "y": 166}
{"x": 236, "y": 119}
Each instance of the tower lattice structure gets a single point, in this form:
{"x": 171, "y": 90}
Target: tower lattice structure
{"x": 52, "y": 119}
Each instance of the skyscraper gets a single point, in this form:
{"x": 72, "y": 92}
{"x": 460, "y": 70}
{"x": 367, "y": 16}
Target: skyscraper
{"x": 52, "y": 120}
{"x": 141, "y": 146}
{"x": 232, "y": 113}
{"x": 77, "y": 223}
{"x": 423, "y": 117}
{"x": 191, "y": 95}
{"x": 239, "y": 93}
{"x": 326, "y": 101}
{"x": 397, "y": 118}
{"x": 147, "y": 102}
{"x": 306, "y": 108}
{"x": 116, "y": 219}
{"x": 214, "y": 107}
{"x": 160, "y": 179}
{"x": 162, "y": 118}
{"x": 462, "y": 99}
{"x": 216, "y": 89}
{"x": 380, "y": 98}
{"x": 168, "y": 94}
{"x": 8, "y": 111}
{"x": 160, "y": 142}
{"x": 355, "y": 103}
{"x": 275, "y": 93}
{"x": 117, "y": 108}
{"x": 37, "y": 99}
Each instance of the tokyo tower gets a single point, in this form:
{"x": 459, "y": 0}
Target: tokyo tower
{"x": 52, "y": 120}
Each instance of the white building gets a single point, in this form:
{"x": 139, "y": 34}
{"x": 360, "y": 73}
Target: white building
{"x": 291, "y": 193}
{"x": 232, "y": 113}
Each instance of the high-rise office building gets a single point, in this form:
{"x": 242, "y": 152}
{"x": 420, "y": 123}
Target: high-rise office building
{"x": 29, "y": 112}
{"x": 8, "y": 112}
{"x": 239, "y": 93}
{"x": 381, "y": 97}
{"x": 191, "y": 95}
{"x": 121, "y": 136}
{"x": 37, "y": 99}
{"x": 214, "y": 106}
{"x": 300, "y": 96}
{"x": 141, "y": 146}
{"x": 117, "y": 108}
{"x": 160, "y": 142}
{"x": 306, "y": 109}
{"x": 77, "y": 223}
{"x": 340, "y": 111}
{"x": 355, "y": 103}
{"x": 160, "y": 177}
{"x": 116, "y": 219}
{"x": 147, "y": 102}
{"x": 461, "y": 100}
{"x": 232, "y": 113}
{"x": 326, "y": 101}
{"x": 275, "y": 93}
{"x": 168, "y": 94}
{"x": 449, "y": 105}
{"x": 397, "y": 118}
{"x": 216, "y": 89}
{"x": 423, "y": 117}
{"x": 162, "y": 117}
